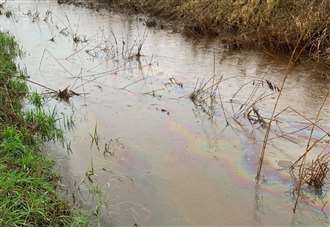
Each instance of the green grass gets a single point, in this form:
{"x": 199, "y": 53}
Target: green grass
{"x": 27, "y": 180}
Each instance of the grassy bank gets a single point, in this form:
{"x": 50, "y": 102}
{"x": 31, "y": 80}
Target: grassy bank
{"x": 27, "y": 181}
{"x": 301, "y": 27}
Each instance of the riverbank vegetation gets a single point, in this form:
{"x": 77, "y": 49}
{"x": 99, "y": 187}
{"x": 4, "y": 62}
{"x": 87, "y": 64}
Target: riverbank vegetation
{"x": 27, "y": 181}
{"x": 297, "y": 27}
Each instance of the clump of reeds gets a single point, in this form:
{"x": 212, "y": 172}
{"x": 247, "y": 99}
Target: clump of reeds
{"x": 316, "y": 173}
{"x": 313, "y": 175}
{"x": 206, "y": 95}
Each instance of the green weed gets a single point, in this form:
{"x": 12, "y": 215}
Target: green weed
{"x": 36, "y": 99}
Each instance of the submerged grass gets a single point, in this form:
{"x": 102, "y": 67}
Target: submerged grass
{"x": 315, "y": 174}
{"x": 299, "y": 26}
{"x": 27, "y": 182}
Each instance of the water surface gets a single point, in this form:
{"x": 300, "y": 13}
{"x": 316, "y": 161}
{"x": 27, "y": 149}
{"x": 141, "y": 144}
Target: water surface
{"x": 169, "y": 162}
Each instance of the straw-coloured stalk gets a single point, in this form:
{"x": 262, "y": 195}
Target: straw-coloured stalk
{"x": 315, "y": 174}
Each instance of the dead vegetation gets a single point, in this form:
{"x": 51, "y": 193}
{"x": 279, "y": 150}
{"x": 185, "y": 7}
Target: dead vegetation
{"x": 207, "y": 97}
{"x": 315, "y": 174}
{"x": 64, "y": 94}
{"x": 247, "y": 104}
{"x": 274, "y": 25}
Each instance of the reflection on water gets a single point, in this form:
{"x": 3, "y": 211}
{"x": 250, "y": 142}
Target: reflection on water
{"x": 167, "y": 163}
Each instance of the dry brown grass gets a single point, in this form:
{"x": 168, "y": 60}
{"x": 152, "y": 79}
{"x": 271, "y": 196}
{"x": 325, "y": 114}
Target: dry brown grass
{"x": 299, "y": 26}
{"x": 315, "y": 174}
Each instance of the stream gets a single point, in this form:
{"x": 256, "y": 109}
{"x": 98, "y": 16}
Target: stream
{"x": 141, "y": 153}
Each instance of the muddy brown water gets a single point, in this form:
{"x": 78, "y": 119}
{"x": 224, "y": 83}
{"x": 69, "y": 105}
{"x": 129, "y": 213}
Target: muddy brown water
{"x": 168, "y": 163}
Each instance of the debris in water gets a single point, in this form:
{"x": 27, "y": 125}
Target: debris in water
{"x": 317, "y": 172}
{"x": 66, "y": 94}
{"x": 153, "y": 93}
{"x": 8, "y": 14}
{"x": 78, "y": 39}
{"x": 47, "y": 16}
{"x": 107, "y": 149}
{"x": 95, "y": 138}
{"x": 151, "y": 22}
{"x": 255, "y": 117}
{"x": 165, "y": 111}
{"x": 173, "y": 81}
{"x": 64, "y": 31}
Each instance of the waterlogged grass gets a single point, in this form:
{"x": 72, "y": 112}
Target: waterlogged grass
{"x": 27, "y": 181}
